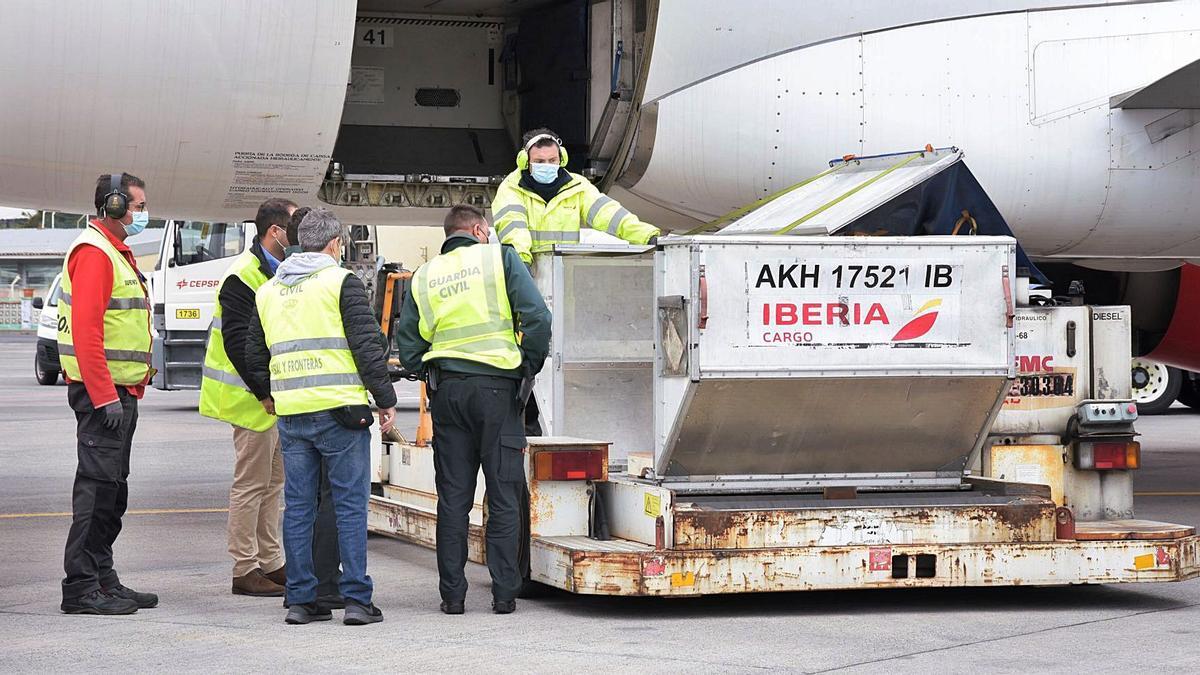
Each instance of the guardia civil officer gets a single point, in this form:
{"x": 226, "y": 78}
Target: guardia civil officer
{"x": 475, "y": 323}
{"x": 104, "y": 346}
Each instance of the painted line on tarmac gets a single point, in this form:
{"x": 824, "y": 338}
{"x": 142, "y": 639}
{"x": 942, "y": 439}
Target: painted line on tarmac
{"x": 1177, "y": 493}
{"x": 131, "y": 512}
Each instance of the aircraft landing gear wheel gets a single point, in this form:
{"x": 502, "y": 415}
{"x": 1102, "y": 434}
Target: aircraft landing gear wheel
{"x": 1189, "y": 393}
{"x": 1155, "y": 386}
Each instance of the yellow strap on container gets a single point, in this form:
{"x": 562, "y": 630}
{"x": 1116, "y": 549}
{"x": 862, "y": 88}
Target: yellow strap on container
{"x": 714, "y": 225}
{"x": 821, "y": 209}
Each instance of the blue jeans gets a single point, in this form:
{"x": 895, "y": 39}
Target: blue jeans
{"x": 306, "y": 439}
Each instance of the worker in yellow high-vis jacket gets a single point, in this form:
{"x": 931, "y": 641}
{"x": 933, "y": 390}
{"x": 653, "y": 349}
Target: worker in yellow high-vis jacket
{"x": 317, "y": 347}
{"x": 542, "y": 204}
{"x": 255, "y": 496}
{"x": 104, "y": 345}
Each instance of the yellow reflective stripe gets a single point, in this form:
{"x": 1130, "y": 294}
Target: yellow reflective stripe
{"x": 308, "y": 344}
{"x": 223, "y": 377}
{"x": 614, "y": 223}
{"x": 511, "y": 225}
{"x": 109, "y": 354}
{"x": 596, "y": 206}
{"x": 323, "y": 380}
{"x": 569, "y": 237}
{"x": 474, "y": 330}
{"x": 480, "y": 345}
{"x": 511, "y": 208}
{"x": 489, "y": 280}
{"x": 421, "y": 293}
{"x": 116, "y": 303}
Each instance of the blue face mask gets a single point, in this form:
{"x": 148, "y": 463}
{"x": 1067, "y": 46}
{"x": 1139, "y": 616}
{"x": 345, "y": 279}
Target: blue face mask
{"x": 140, "y": 220}
{"x": 544, "y": 173}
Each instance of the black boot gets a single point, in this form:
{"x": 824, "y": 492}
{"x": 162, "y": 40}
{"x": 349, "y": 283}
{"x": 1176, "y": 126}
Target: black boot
{"x": 98, "y": 602}
{"x": 143, "y": 600}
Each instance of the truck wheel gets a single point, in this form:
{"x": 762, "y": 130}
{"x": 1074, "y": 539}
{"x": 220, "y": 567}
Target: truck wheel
{"x": 44, "y": 375}
{"x": 1155, "y": 386}
{"x": 1189, "y": 392}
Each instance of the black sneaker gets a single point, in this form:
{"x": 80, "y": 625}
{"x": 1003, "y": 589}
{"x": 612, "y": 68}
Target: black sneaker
{"x": 449, "y": 607}
{"x": 307, "y": 612}
{"x": 143, "y": 600}
{"x": 504, "y": 606}
{"x": 98, "y": 602}
{"x": 361, "y": 615}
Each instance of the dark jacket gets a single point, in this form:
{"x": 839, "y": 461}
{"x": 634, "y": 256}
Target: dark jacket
{"x": 530, "y": 314}
{"x": 237, "y": 306}
{"x": 367, "y": 344}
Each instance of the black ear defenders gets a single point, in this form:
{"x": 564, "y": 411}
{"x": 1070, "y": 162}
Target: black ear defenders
{"x": 116, "y": 203}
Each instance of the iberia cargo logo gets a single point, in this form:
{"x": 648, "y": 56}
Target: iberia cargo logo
{"x": 921, "y": 323}
{"x": 855, "y": 323}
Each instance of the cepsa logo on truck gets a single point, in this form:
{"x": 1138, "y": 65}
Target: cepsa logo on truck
{"x": 197, "y": 283}
{"x": 865, "y": 292}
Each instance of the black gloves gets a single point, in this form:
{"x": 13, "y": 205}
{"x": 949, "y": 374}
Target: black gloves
{"x": 652, "y": 240}
{"x": 113, "y": 414}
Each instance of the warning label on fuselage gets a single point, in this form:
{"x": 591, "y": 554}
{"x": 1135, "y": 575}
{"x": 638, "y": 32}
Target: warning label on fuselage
{"x": 258, "y": 176}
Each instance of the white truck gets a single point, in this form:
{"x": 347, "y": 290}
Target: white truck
{"x": 750, "y": 411}
{"x": 46, "y": 367}
{"x": 183, "y": 287}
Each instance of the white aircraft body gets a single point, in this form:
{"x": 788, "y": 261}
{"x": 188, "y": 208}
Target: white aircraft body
{"x": 1077, "y": 117}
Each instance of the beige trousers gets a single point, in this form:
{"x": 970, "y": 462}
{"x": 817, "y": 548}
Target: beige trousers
{"x": 255, "y": 504}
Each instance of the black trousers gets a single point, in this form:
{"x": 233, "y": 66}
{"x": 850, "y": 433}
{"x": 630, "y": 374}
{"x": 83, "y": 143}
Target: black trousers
{"x": 100, "y": 495}
{"x": 327, "y": 557}
{"x": 477, "y": 420}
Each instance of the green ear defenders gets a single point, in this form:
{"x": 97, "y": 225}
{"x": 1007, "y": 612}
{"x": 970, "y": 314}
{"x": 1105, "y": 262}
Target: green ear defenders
{"x": 523, "y": 155}
{"x": 116, "y": 203}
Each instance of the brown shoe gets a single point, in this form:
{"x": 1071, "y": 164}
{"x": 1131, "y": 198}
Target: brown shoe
{"x": 279, "y": 576}
{"x": 257, "y": 584}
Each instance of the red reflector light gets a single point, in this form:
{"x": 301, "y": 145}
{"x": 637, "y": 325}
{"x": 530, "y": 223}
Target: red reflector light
{"x": 569, "y": 465}
{"x": 1109, "y": 455}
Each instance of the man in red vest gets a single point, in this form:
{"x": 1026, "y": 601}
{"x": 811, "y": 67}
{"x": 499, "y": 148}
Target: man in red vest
{"x": 104, "y": 347}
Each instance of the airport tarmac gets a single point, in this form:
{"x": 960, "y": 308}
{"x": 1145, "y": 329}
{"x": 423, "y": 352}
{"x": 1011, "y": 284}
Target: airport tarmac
{"x": 173, "y": 544}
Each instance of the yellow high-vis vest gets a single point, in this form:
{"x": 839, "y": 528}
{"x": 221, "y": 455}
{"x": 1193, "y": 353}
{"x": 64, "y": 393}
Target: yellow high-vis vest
{"x": 312, "y": 368}
{"x": 531, "y": 225}
{"x": 223, "y": 394}
{"x": 126, "y": 319}
{"x": 463, "y": 305}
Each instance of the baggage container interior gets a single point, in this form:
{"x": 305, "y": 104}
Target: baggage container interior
{"x": 446, "y": 88}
